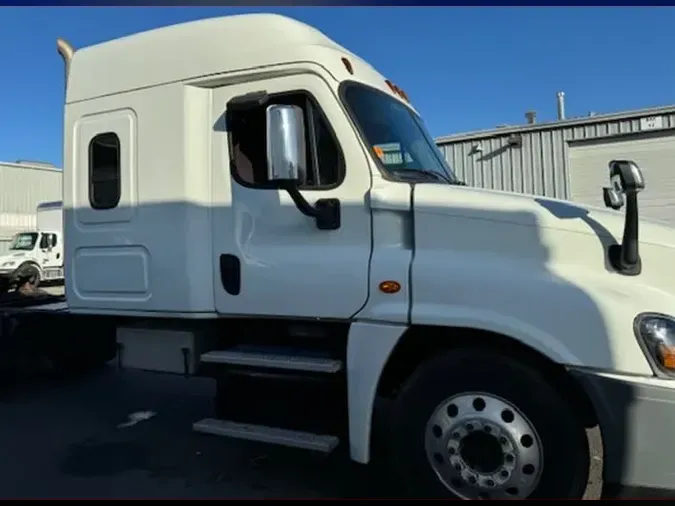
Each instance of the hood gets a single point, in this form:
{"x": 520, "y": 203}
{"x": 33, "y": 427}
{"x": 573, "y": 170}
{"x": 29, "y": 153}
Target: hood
{"x": 536, "y": 268}
{"x": 530, "y": 211}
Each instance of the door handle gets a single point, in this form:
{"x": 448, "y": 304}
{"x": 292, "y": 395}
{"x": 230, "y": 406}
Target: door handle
{"x": 230, "y": 273}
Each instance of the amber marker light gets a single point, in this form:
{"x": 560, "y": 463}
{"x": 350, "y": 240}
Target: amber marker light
{"x": 348, "y": 65}
{"x": 390, "y": 286}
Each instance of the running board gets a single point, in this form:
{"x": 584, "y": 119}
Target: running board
{"x": 263, "y": 434}
{"x": 272, "y": 361}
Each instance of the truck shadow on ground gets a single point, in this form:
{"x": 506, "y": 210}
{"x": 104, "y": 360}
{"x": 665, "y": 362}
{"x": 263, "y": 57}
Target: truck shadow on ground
{"x": 92, "y": 452}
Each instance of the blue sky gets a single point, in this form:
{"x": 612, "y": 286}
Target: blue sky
{"x": 464, "y": 69}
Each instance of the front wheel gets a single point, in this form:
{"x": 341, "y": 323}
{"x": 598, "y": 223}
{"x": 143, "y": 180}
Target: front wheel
{"x": 28, "y": 276}
{"x": 475, "y": 425}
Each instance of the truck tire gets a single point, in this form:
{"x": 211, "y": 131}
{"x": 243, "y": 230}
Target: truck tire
{"x": 473, "y": 424}
{"x": 28, "y": 273}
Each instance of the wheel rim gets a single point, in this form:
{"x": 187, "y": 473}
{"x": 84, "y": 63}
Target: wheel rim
{"x": 482, "y": 447}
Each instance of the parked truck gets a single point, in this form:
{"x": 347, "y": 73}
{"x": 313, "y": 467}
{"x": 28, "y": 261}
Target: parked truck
{"x": 36, "y": 255}
{"x": 229, "y": 212}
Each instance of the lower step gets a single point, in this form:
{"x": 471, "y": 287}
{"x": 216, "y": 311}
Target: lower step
{"x": 263, "y": 434}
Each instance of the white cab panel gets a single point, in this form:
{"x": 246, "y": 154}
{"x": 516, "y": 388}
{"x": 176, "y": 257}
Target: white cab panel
{"x": 393, "y": 237}
{"x": 150, "y": 252}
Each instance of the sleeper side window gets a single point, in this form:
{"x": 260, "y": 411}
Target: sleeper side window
{"x": 105, "y": 187}
{"x": 248, "y": 159}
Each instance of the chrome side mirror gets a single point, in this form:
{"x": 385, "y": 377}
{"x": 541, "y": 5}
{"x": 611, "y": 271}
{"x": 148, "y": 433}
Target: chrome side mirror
{"x": 287, "y": 163}
{"x": 286, "y": 150}
{"x": 626, "y": 176}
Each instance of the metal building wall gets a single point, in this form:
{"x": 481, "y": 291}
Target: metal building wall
{"x": 540, "y": 166}
{"x": 22, "y": 187}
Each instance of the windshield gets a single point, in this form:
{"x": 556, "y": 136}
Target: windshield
{"x": 396, "y": 135}
{"x": 24, "y": 242}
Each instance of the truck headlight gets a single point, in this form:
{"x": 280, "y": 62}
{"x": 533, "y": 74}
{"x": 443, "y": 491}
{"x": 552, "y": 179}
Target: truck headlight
{"x": 656, "y": 334}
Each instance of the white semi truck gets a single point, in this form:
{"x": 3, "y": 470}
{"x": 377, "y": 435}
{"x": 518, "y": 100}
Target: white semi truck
{"x": 36, "y": 255}
{"x": 229, "y": 212}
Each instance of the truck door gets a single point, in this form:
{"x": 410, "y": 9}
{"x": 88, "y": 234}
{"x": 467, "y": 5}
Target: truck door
{"x": 50, "y": 255}
{"x": 53, "y": 250}
{"x": 269, "y": 258}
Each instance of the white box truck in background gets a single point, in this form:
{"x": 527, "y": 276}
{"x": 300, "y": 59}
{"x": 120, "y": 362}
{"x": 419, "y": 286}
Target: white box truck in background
{"x": 50, "y": 227}
{"x": 37, "y": 255}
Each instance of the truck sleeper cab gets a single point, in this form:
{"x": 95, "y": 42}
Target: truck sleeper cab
{"x": 278, "y": 218}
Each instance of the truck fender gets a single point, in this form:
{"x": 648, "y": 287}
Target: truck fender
{"x": 492, "y": 321}
{"x": 369, "y": 346}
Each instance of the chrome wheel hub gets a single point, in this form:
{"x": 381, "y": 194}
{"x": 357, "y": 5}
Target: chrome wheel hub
{"x": 482, "y": 447}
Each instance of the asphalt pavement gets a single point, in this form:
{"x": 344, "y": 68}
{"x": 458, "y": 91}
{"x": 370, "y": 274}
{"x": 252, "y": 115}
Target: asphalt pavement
{"x": 74, "y": 439}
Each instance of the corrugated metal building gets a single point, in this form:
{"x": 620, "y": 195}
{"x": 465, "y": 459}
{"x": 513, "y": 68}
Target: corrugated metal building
{"x": 24, "y": 185}
{"x": 568, "y": 158}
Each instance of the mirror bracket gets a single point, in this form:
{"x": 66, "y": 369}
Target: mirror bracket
{"x": 248, "y": 101}
{"x": 615, "y": 254}
{"x": 626, "y": 182}
{"x": 326, "y": 212}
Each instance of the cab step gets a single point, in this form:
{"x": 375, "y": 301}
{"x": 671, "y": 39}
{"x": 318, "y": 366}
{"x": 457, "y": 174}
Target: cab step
{"x": 268, "y": 359}
{"x": 264, "y": 434}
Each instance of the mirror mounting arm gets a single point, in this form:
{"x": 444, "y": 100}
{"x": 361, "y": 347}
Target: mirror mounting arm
{"x": 326, "y": 212}
{"x": 300, "y": 202}
{"x": 625, "y": 257}
{"x": 627, "y": 179}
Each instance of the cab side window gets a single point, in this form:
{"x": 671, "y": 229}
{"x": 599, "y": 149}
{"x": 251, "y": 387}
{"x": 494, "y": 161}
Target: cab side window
{"x": 44, "y": 241}
{"x": 105, "y": 187}
{"x": 47, "y": 241}
{"x": 247, "y": 136}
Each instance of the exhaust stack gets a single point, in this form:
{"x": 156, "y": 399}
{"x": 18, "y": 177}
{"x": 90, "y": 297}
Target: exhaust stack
{"x": 66, "y": 51}
{"x": 561, "y": 105}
